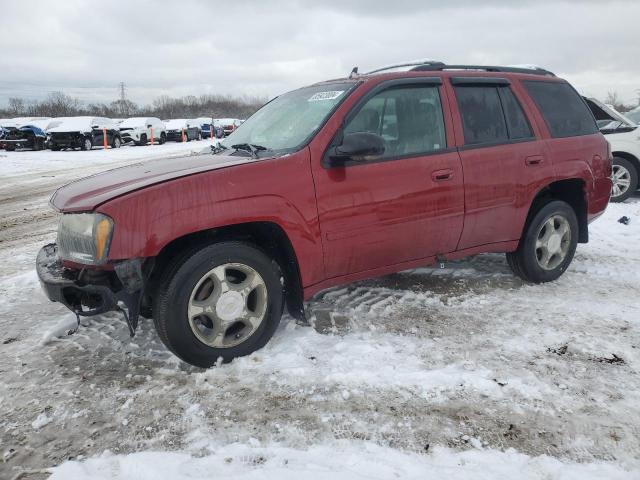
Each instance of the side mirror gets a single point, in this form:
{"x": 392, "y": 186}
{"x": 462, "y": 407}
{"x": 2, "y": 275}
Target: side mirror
{"x": 359, "y": 147}
{"x": 149, "y": 126}
{"x": 95, "y": 127}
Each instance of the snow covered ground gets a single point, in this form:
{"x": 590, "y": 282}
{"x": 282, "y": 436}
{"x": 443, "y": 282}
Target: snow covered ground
{"x": 464, "y": 372}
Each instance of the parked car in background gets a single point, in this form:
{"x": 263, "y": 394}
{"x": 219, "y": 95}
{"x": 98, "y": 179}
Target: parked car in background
{"x": 177, "y": 127}
{"x": 330, "y": 195}
{"x": 83, "y": 133}
{"x": 7, "y": 125}
{"x": 26, "y": 136}
{"x": 207, "y": 125}
{"x": 624, "y": 137}
{"x": 139, "y": 130}
{"x": 229, "y": 125}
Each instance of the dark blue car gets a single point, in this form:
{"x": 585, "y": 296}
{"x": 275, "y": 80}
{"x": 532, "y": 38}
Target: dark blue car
{"x": 218, "y": 132}
{"x": 27, "y": 136}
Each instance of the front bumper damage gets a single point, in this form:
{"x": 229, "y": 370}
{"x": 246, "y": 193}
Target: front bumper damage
{"x": 91, "y": 292}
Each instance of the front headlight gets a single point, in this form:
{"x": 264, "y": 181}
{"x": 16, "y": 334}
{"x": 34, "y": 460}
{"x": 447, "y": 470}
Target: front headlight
{"x": 84, "y": 237}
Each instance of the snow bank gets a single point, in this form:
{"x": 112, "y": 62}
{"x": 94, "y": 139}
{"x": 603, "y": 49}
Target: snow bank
{"x": 344, "y": 461}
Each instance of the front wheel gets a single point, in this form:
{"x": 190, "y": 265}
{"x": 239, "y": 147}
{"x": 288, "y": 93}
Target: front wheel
{"x": 163, "y": 138}
{"x": 117, "y": 143}
{"x": 624, "y": 177}
{"x": 219, "y": 302}
{"x": 548, "y": 244}
{"x": 87, "y": 144}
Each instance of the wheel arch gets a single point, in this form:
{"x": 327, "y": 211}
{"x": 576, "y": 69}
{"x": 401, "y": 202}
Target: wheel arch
{"x": 630, "y": 157}
{"x": 268, "y": 236}
{"x": 571, "y": 191}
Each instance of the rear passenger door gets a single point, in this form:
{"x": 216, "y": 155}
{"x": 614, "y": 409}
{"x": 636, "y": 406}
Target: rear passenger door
{"x": 501, "y": 158}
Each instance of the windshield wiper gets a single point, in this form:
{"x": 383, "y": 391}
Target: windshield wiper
{"x": 217, "y": 148}
{"x": 252, "y": 148}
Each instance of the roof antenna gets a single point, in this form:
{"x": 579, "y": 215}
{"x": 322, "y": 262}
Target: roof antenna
{"x": 354, "y": 73}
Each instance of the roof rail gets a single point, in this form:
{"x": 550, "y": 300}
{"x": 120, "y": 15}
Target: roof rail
{"x": 415, "y": 63}
{"x": 485, "y": 68}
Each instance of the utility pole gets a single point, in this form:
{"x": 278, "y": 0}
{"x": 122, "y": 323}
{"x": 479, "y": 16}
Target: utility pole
{"x": 123, "y": 95}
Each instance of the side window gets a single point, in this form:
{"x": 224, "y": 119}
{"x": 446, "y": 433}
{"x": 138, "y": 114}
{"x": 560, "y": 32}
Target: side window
{"x": 409, "y": 119}
{"x": 564, "y": 112}
{"x": 481, "y": 112}
{"x": 517, "y": 123}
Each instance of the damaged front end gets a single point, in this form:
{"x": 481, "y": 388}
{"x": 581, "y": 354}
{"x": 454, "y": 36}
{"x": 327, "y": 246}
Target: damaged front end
{"x": 88, "y": 292}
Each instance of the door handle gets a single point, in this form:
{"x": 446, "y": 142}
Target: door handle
{"x": 534, "y": 160}
{"x": 442, "y": 175}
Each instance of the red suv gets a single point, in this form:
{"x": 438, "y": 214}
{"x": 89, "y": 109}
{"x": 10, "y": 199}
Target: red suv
{"x": 339, "y": 181}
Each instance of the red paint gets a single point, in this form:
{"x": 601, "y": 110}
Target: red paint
{"x": 358, "y": 222}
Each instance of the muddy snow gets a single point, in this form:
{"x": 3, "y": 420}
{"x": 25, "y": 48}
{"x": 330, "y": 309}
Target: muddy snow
{"x": 460, "y": 372}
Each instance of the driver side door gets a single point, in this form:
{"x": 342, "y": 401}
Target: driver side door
{"x": 405, "y": 205}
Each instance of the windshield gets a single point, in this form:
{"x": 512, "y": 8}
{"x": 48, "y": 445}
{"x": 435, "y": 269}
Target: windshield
{"x": 634, "y": 115}
{"x": 289, "y": 121}
{"x": 175, "y": 124}
{"x": 133, "y": 122}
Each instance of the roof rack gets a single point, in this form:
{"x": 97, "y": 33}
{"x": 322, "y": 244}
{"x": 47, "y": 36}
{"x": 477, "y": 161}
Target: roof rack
{"x": 415, "y": 63}
{"x": 434, "y": 67}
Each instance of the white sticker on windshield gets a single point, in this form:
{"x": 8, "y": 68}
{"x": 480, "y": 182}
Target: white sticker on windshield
{"x": 320, "y": 96}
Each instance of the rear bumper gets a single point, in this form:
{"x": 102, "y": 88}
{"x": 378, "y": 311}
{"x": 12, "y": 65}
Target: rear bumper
{"x": 89, "y": 298}
{"x": 174, "y": 136}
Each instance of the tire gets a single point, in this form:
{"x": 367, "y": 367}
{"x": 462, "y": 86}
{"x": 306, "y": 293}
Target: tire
{"x": 36, "y": 146}
{"x": 117, "y": 143}
{"x": 55, "y": 148}
{"x": 87, "y": 144}
{"x": 625, "y": 179}
{"x": 143, "y": 140}
{"x": 10, "y": 148}
{"x": 199, "y": 136}
{"x": 184, "y": 278}
{"x": 528, "y": 260}
{"x": 163, "y": 138}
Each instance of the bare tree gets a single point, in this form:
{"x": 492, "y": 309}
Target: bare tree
{"x": 16, "y": 106}
{"x": 614, "y": 100}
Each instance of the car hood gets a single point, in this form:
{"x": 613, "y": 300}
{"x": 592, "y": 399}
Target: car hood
{"x": 604, "y": 112}
{"x": 86, "y": 194}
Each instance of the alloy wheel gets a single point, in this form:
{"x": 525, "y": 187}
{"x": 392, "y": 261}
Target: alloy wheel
{"x": 227, "y": 305}
{"x": 621, "y": 178}
{"x": 553, "y": 242}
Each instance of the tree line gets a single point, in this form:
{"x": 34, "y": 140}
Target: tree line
{"x": 613, "y": 99}
{"x": 59, "y": 104}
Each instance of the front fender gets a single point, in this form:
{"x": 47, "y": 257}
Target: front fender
{"x": 280, "y": 191}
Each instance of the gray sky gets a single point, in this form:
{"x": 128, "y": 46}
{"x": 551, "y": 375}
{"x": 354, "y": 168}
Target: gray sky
{"x": 264, "y": 48}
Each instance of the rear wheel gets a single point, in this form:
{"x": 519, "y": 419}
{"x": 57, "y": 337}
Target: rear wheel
{"x": 625, "y": 179}
{"x": 163, "y": 138}
{"x": 221, "y": 301}
{"x": 548, "y": 244}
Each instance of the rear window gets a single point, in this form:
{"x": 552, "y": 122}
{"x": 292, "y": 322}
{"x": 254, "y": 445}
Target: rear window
{"x": 564, "y": 112}
{"x": 482, "y": 117}
{"x": 517, "y": 123}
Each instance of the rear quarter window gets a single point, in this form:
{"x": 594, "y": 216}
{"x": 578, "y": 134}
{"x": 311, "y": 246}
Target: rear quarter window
{"x": 563, "y": 110}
